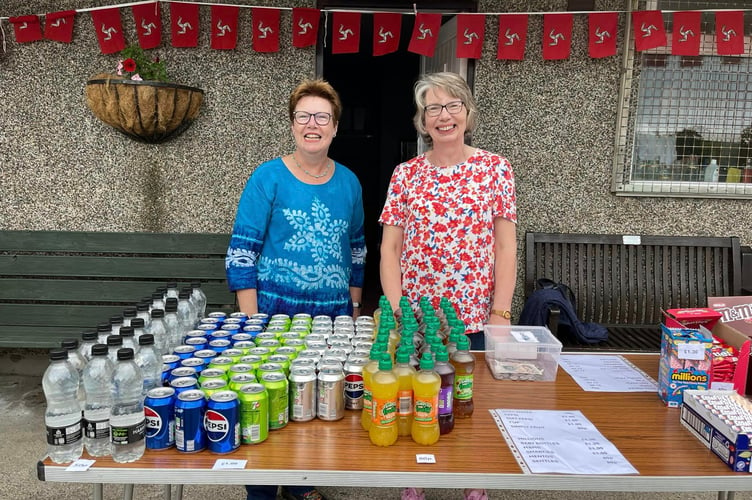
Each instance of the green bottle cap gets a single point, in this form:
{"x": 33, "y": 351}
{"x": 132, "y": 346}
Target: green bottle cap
{"x": 385, "y": 363}
{"x": 426, "y": 362}
{"x": 376, "y": 350}
{"x": 463, "y": 344}
{"x": 403, "y": 355}
{"x": 441, "y": 353}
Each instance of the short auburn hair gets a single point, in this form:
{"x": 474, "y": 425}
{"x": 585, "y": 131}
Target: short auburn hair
{"x": 316, "y": 88}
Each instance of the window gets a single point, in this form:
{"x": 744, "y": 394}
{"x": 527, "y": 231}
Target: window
{"x": 686, "y": 122}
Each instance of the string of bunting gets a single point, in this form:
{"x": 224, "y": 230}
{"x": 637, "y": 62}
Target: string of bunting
{"x": 648, "y": 29}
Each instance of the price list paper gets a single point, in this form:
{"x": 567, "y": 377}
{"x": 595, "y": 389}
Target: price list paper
{"x": 561, "y": 442}
{"x": 606, "y": 373}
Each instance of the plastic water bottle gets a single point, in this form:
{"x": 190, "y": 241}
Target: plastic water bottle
{"x": 139, "y": 328}
{"x": 104, "y": 330}
{"x": 186, "y": 313}
{"x": 88, "y": 339}
{"x": 142, "y": 311}
{"x": 96, "y": 381}
{"x": 158, "y": 330}
{"x": 174, "y": 332}
{"x": 172, "y": 290}
{"x": 150, "y": 362}
{"x": 711, "y": 171}
{"x": 157, "y": 301}
{"x": 115, "y": 323}
{"x": 129, "y": 339}
{"x": 127, "y": 420}
{"x": 114, "y": 342}
{"x": 199, "y": 297}
{"x": 78, "y": 361}
{"x": 128, "y": 315}
{"x": 62, "y": 417}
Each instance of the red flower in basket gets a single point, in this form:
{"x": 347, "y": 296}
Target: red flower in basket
{"x": 129, "y": 65}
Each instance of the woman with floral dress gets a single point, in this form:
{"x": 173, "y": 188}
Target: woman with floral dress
{"x": 449, "y": 221}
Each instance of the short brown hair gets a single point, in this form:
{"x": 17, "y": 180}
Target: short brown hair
{"x": 316, "y": 88}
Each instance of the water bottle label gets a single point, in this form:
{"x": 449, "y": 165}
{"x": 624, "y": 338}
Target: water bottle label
{"x": 128, "y": 434}
{"x": 445, "y": 400}
{"x": 96, "y": 429}
{"x": 61, "y": 436}
{"x": 463, "y": 386}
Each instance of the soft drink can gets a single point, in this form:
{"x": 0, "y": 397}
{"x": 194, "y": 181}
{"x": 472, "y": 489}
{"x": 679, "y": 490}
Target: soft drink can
{"x": 171, "y": 360}
{"x": 209, "y": 320}
{"x": 182, "y": 371}
{"x": 288, "y": 336}
{"x": 354, "y": 383}
{"x": 322, "y": 319}
{"x": 222, "y": 422}
{"x": 240, "y": 379}
{"x": 240, "y": 337}
{"x": 206, "y": 354}
{"x": 306, "y": 362}
{"x": 213, "y": 385}
{"x": 239, "y": 314}
{"x": 302, "y": 394}
{"x": 302, "y": 330}
{"x": 262, "y": 316}
{"x": 252, "y": 330}
{"x": 165, "y": 374}
{"x": 218, "y": 315}
{"x": 211, "y": 374}
{"x": 159, "y": 408}
{"x": 232, "y": 320}
{"x": 269, "y": 367}
{"x": 264, "y": 336}
{"x": 190, "y": 407}
{"x": 184, "y": 351}
{"x": 231, "y": 328}
{"x": 276, "y": 385}
{"x": 282, "y": 361}
{"x": 254, "y": 413}
{"x": 253, "y": 360}
{"x": 191, "y": 334}
{"x": 277, "y": 329}
{"x": 244, "y": 345}
{"x": 219, "y": 345}
{"x": 240, "y": 368}
{"x": 260, "y": 351}
{"x": 297, "y": 344}
{"x": 222, "y": 363}
{"x": 199, "y": 343}
{"x": 219, "y": 334}
{"x": 233, "y": 354}
{"x": 208, "y": 328}
{"x": 195, "y": 363}
{"x": 331, "y": 394}
{"x": 183, "y": 384}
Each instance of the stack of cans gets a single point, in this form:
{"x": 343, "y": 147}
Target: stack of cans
{"x": 235, "y": 378}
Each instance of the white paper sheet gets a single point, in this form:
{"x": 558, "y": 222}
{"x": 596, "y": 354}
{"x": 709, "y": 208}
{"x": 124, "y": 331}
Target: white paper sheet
{"x": 606, "y": 373}
{"x": 563, "y": 442}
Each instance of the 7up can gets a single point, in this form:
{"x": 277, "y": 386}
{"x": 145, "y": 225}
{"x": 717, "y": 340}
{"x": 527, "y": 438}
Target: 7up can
{"x": 254, "y": 413}
{"x": 276, "y": 385}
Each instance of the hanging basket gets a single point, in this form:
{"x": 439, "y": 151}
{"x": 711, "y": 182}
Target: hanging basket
{"x": 148, "y": 111}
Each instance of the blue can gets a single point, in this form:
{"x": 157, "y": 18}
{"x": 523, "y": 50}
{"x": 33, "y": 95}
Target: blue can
{"x": 219, "y": 345}
{"x": 198, "y": 343}
{"x": 196, "y": 363}
{"x": 253, "y": 330}
{"x": 243, "y": 317}
{"x": 159, "y": 408}
{"x": 182, "y": 371}
{"x": 233, "y": 321}
{"x": 184, "y": 351}
{"x": 206, "y": 355}
{"x": 184, "y": 384}
{"x": 222, "y": 422}
{"x": 171, "y": 360}
{"x": 190, "y": 408}
{"x": 218, "y": 315}
{"x": 165, "y": 374}
{"x": 208, "y": 328}
{"x": 241, "y": 337}
{"x": 193, "y": 334}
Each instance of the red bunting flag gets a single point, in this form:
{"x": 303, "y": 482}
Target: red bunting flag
{"x": 184, "y": 24}
{"x": 685, "y": 39}
{"x": 729, "y": 32}
{"x": 345, "y": 32}
{"x": 148, "y": 19}
{"x": 471, "y": 29}
{"x": 305, "y": 26}
{"x": 602, "y": 29}
{"x": 109, "y": 30}
{"x": 224, "y": 23}
{"x": 265, "y": 29}
{"x": 512, "y": 37}
{"x": 425, "y": 34}
{"x": 58, "y": 26}
{"x": 387, "y": 27}
{"x": 26, "y": 28}
{"x": 557, "y": 36}
{"x": 649, "y": 30}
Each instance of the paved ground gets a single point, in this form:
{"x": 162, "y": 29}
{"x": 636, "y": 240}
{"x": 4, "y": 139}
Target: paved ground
{"x": 22, "y": 444}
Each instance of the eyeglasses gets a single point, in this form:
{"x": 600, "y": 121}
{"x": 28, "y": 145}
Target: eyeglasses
{"x": 452, "y": 108}
{"x": 304, "y": 117}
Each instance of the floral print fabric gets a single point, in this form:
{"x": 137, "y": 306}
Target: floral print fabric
{"x": 447, "y": 215}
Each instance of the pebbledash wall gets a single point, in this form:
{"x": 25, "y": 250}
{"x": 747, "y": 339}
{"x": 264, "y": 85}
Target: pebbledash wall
{"x": 60, "y": 168}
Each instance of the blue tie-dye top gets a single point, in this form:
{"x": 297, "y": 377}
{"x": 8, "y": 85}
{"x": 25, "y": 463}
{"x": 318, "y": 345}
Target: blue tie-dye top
{"x": 301, "y": 246}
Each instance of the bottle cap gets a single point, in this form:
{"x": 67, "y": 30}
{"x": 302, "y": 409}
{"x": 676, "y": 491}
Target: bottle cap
{"x": 58, "y": 354}
{"x": 69, "y": 344}
{"x": 385, "y": 363}
{"x": 137, "y": 322}
{"x": 125, "y": 354}
{"x": 114, "y": 340}
{"x": 426, "y": 362}
{"x": 157, "y": 296}
{"x": 172, "y": 284}
{"x": 146, "y": 339}
{"x": 90, "y": 334}
{"x": 126, "y": 331}
{"x": 195, "y": 284}
{"x": 403, "y": 355}
{"x": 441, "y": 354}
{"x": 129, "y": 312}
{"x": 184, "y": 294}
{"x": 143, "y": 306}
{"x": 157, "y": 313}
{"x": 116, "y": 320}
{"x": 463, "y": 344}
{"x": 99, "y": 350}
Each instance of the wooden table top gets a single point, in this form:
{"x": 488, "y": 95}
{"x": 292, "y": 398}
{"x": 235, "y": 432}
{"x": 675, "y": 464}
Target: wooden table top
{"x": 474, "y": 454}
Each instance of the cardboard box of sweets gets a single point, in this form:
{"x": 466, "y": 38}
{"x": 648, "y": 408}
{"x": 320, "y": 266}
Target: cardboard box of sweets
{"x": 735, "y": 328}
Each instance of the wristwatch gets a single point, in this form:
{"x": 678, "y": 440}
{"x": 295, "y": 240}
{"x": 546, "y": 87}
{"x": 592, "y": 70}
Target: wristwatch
{"x": 357, "y": 305}
{"x": 501, "y": 314}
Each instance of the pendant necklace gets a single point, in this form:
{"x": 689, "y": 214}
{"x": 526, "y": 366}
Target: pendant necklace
{"x": 315, "y": 176}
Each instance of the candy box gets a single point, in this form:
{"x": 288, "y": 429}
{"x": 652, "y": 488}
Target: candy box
{"x": 734, "y": 311}
{"x": 685, "y": 362}
{"x": 522, "y": 352}
{"x": 720, "y": 420}
{"x": 691, "y": 318}
{"x": 731, "y": 336}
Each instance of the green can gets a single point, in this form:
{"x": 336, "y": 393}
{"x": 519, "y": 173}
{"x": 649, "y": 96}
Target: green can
{"x": 271, "y": 344}
{"x": 269, "y": 367}
{"x": 238, "y": 380}
{"x": 297, "y": 344}
{"x": 233, "y": 354}
{"x": 253, "y": 360}
{"x": 288, "y": 351}
{"x": 282, "y": 360}
{"x": 244, "y": 345}
{"x": 240, "y": 368}
{"x": 254, "y": 413}
{"x": 263, "y": 352}
{"x": 211, "y": 373}
{"x": 211, "y": 386}
{"x": 221, "y": 363}
{"x": 279, "y": 399}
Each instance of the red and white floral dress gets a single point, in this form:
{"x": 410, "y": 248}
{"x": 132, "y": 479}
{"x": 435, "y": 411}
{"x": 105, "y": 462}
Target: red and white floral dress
{"x": 447, "y": 215}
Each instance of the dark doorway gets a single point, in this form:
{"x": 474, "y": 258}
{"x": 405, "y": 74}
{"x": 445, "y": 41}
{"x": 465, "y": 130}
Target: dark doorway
{"x": 376, "y": 131}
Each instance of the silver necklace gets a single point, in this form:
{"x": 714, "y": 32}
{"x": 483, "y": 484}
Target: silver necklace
{"x": 315, "y": 176}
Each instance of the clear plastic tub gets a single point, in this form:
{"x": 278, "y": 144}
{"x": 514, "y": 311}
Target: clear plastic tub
{"x": 522, "y": 352}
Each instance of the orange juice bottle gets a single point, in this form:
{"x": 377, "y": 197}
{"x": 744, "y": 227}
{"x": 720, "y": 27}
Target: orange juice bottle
{"x": 368, "y": 370}
{"x": 404, "y": 373}
{"x": 426, "y": 386}
{"x": 384, "y": 388}
{"x": 464, "y": 367}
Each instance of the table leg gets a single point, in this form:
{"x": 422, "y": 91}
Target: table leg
{"x": 726, "y": 495}
{"x": 179, "y": 492}
{"x": 128, "y": 492}
{"x": 167, "y": 492}
{"x": 97, "y": 491}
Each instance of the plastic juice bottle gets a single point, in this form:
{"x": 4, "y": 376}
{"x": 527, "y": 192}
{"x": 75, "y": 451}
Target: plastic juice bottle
{"x": 464, "y": 366}
{"x": 404, "y": 373}
{"x": 451, "y": 344}
{"x": 368, "y": 370}
{"x": 426, "y": 387}
{"x": 384, "y": 389}
{"x": 446, "y": 399}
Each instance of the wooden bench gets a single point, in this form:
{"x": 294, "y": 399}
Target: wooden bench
{"x": 55, "y": 284}
{"x": 624, "y": 281}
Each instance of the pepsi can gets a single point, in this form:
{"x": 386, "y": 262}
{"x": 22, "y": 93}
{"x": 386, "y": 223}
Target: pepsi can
{"x": 219, "y": 345}
{"x": 222, "y": 422}
{"x": 195, "y": 363}
{"x": 171, "y": 360}
{"x": 190, "y": 408}
{"x": 205, "y": 354}
{"x": 207, "y": 328}
{"x": 184, "y": 351}
{"x": 218, "y": 315}
{"x": 182, "y": 371}
{"x": 159, "y": 408}
{"x": 354, "y": 383}
{"x": 184, "y": 384}
{"x": 199, "y": 343}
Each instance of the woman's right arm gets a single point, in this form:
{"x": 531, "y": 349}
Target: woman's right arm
{"x": 247, "y": 302}
{"x": 389, "y": 267}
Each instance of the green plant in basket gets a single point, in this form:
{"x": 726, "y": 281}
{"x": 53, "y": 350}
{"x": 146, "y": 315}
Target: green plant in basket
{"x": 136, "y": 65}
